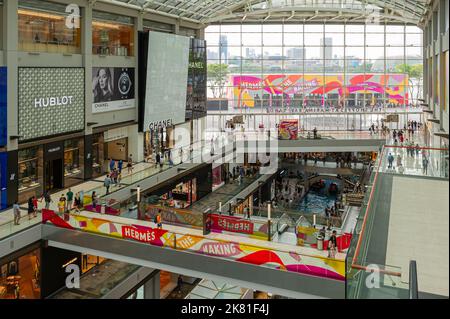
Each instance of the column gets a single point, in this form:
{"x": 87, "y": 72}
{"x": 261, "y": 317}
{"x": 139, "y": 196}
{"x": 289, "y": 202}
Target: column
{"x": 151, "y": 287}
{"x": 10, "y": 44}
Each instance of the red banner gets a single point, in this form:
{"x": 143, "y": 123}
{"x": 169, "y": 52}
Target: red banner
{"x": 143, "y": 234}
{"x": 231, "y": 224}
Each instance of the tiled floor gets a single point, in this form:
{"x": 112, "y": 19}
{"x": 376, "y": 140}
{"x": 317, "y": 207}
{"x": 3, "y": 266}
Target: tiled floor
{"x": 418, "y": 230}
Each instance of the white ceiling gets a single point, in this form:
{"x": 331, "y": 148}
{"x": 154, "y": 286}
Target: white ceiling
{"x": 308, "y": 11}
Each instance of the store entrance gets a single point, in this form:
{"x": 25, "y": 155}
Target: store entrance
{"x": 54, "y": 174}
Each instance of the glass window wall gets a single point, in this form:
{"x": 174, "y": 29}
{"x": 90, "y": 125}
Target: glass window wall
{"x": 43, "y": 28}
{"x": 319, "y": 65}
{"x": 112, "y": 34}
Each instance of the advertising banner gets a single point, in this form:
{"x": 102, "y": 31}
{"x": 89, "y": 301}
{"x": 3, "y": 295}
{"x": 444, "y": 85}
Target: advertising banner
{"x": 113, "y": 89}
{"x": 51, "y": 101}
{"x": 289, "y": 259}
{"x": 166, "y": 81}
{"x": 293, "y": 90}
{"x": 3, "y": 106}
{"x": 231, "y": 224}
{"x": 288, "y": 130}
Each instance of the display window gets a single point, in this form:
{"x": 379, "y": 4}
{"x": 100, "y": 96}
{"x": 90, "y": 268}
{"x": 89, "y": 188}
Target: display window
{"x": 30, "y": 172}
{"x": 182, "y": 195}
{"x": 217, "y": 177}
{"x": 73, "y": 161}
{"x": 112, "y": 34}
{"x": 98, "y": 155}
{"x": 20, "y": 278}
{"x": 240, "y": 208}
{"x": 43, "y": 28}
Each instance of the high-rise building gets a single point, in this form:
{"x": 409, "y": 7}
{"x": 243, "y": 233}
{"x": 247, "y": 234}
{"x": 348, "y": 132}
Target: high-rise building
{"x": 296, "y": 53}
{"x": 223, "y": 49}
{"x": 327, "y": 52}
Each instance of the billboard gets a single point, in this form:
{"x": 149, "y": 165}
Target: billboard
{"x": 288, "y": 130}
{"x": 51, "y": 101}
{"x": 269, "y": 90}
{"x": 113, "y": 89}
{"x": 166, "y": 78}
{"x": 196, "y": 81}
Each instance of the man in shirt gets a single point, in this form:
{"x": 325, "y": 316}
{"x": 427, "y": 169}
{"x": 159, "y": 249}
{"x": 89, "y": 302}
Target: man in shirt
{"x": 16, "y": 210}
{"x": 69, "y": 200}
{"x": 107, "y": 183}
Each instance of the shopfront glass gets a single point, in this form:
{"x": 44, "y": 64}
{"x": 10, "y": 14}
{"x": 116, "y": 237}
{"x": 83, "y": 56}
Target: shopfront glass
{"x": 43, "y": 28}
{"x": 217, "y": 175}
{"x": 73, "y": 161}
{"x": 182, "y": 196}
{"x": 30, "y": 169}
{"x": 112, "y": 34}
{"x": 20, "y": 278}
{"x": 97, "y": 155}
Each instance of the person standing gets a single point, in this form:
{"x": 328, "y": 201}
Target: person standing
{"x": 107, "y": 183}
{"x": 35, "y": 205}
{"x": 77, "y": 202}
{"x": 425, "y": 165}
{"x": 69, "y": 199}
{"x": 315, "y": 133}
{"x": 130, "y": 166}
{"x": 158, "y": 159}
{"x": 158, "y": 221}
{"x": 180, "y": 153}
{"x": 30, "y": 208}
{"x": 16, "y": 211}
{"x": 399, "y": 160}
{"x": 332, "y": 245}
{"x": 390, "y": 160}
{"x": 61, "y": 204}
{"x": 47, "y": 199}
{"x": 112, "y": 164}
{"x": 94, "y": 199}
{"x": 161, "y": 162}
{"x": 120, "y": 166}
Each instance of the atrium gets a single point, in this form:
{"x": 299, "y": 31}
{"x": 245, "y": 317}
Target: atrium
{"x": 234, "y": 149}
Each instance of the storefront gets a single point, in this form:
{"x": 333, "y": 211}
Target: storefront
{"x": 116, "y": 144}
{"x": 98, "y": 157}
{"x": 158, "y": 140}
{"x": 73, "y": 161}
{"x": 20, "y": 274}
{"x": 183, "y": 195}
{"x": 219, "y": 174}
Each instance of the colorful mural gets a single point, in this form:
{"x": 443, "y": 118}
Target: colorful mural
{"x": 282, "y": 260}
{"x": 249, "y": 90}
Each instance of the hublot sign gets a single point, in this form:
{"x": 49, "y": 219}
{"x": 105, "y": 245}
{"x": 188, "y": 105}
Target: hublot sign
{"x": 53, "y": 101}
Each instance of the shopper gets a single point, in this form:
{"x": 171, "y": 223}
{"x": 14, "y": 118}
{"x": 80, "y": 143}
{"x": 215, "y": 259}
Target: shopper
{"x": 332, "y": 245}
{"x": 16, "y": 211}
{"x": 390, "y": 160}
{"x": 399, "y": 160}
{"x": 107, "y": 183}
{"x": 94, "y": 199}
{"x": 61, "y": 204}
{"x": 158, "y": 159}
{"x": 315, "y": 133}
{"x": 30, "y": 208}
{"x": 112, "y": 164}
{"x": 425, "y": 165}
{"x": 120, "y": 166}
{"x": 179, "y": 283}
{"x": 158, "y": 221}
{"x": 130, "y": 166}
{"x": 77, "y": 202}
{"x": 35, "y": 205}
{"x": 48, "y": 199}
{"x": 161, "y": 162}
{"x": 69, "y": 200}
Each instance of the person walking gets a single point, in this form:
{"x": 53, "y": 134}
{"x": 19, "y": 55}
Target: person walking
{"x": 61, "y": 204}
{"x": 332, "y": 245}
{"x": 390, "y": 160}
{"x": 130, "y": 166}
{"x": 47, "y": 199}
{"x": 119, "y": 179}
{"x": 315, "y": 133}
{"x": 120, "y": 166}
{"x": 425, "y": 165}
{"x": 30, "y": 208}
{"x": 69, "y": 200}
{"x": 16, "y": 212}
{"x": 158, "y": 159}
{"x": 161, "y": 162}
{"x": 113, "y": 177}
{"x": 35, "y": 205}
{"x": 112, "y": 164}
{"x": 94, "y": 199}
{"x": 399, "y": 160}
{"x": 77, "y": 202}
{"x": 107, "y": 183}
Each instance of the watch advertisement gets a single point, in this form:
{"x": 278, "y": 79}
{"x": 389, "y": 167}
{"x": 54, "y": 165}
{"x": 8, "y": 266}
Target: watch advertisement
{"x": 51, "y": 101}
{"x": 113, "y": 89}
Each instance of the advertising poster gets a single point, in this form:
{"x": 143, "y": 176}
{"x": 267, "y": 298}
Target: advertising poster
{"x": 113, "y": 89}
{"x": 50, "y": 101}
{"x": 231, "y": 224}
{"x": 291, "y": 90}
{"x": 288, "y": 130}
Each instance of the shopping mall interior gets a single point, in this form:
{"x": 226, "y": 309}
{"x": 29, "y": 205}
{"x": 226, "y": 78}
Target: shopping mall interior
{"x": 238, "y": 149}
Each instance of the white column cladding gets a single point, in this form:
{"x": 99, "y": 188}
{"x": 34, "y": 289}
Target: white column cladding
{"x": 86, "y": 49}
{"x": 135, "y": 143}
